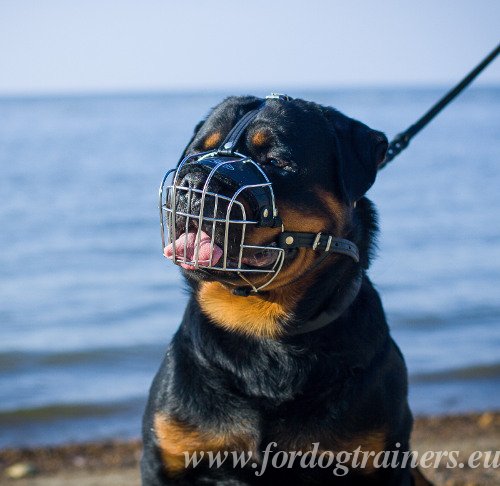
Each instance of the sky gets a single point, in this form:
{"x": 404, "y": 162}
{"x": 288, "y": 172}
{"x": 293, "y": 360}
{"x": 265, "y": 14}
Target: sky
{"x": 78, "y": 46}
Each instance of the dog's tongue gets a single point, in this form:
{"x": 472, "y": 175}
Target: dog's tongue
{"x": 187, "y": 242}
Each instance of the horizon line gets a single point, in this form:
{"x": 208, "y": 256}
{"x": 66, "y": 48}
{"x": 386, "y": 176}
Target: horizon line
{"x": 175, "y": 91}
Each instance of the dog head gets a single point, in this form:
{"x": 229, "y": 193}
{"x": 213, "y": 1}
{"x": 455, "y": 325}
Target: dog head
{"x": 320, "y": 163}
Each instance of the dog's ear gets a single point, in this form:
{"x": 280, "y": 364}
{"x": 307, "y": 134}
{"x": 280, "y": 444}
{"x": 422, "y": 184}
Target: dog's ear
{"x": 195, "y": 132}
{"x": 360, "y": 150}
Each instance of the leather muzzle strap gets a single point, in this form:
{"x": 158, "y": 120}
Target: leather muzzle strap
{"x": 318, "y": 241}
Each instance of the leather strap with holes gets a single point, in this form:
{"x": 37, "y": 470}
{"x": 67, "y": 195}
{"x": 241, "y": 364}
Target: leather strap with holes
{"x": 318, "y": 241}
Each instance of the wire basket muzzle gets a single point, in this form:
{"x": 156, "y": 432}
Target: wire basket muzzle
{"x": 208, "y": 204}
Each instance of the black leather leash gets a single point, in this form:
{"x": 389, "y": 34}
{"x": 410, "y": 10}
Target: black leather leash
{"x": 401, "y": 141}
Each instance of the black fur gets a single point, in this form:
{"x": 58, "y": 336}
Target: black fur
{"x": 346, "y": 379}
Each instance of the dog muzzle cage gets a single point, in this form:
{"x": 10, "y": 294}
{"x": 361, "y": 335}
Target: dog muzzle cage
{"x": 209, "y": 202}
{"x": 190, "y": 214}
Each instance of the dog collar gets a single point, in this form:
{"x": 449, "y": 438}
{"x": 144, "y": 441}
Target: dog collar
{"x": 331, "y": 314}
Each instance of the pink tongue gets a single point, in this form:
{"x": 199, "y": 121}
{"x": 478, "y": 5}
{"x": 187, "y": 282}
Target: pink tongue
{"x": 187, "y": 242}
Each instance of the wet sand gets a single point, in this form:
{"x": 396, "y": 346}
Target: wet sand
{"x": 117, "y": 462}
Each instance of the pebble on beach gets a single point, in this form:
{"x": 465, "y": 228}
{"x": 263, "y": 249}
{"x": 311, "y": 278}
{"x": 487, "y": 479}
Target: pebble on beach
{"x": 20, "y": 470}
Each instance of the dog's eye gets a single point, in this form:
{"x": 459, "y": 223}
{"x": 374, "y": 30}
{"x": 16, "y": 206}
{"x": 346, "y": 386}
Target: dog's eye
{"x": 280, "y": 164}
{"x": 275, "y": 162}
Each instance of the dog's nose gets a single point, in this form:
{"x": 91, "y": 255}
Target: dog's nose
{"x": 191, "y": 196}
{"x": 193, "y": 180}
{"x": 195, "y": 197}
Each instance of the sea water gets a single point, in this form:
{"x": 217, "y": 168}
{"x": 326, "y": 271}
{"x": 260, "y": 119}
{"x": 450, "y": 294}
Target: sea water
{"x": 88, "y": 303}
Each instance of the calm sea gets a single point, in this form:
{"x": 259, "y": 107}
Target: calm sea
{"x": 88, "y": 303}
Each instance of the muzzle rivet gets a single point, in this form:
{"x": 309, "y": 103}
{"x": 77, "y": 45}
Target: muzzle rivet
{"x": 265, "y": 213}
{"x": 228, "y": 145}
{"x": 289, "y": 240}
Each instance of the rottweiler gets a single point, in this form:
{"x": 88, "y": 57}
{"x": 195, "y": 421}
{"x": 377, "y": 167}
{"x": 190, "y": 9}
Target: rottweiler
{"x": 263, "y": 382}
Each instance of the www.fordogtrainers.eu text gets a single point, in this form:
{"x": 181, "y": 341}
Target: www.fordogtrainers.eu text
{"x": 340, "y": 462}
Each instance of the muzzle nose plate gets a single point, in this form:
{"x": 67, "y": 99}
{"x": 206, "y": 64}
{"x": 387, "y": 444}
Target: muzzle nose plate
{"x": 240, "y": 176}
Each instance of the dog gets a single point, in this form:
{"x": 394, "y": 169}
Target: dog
{"x": 303, "y": 364}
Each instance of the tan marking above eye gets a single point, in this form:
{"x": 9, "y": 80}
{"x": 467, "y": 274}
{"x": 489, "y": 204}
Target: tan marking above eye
{"x": 260, "y": 138}
{"x": 212, "y": 140}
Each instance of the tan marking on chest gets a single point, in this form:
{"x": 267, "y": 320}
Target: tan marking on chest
{"x": 252, "y": 315}
{"x": 176, "y": 439}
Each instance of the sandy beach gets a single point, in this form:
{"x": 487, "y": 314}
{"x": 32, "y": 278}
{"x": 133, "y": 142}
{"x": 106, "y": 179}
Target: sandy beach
{"x": 117, "y": 462}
